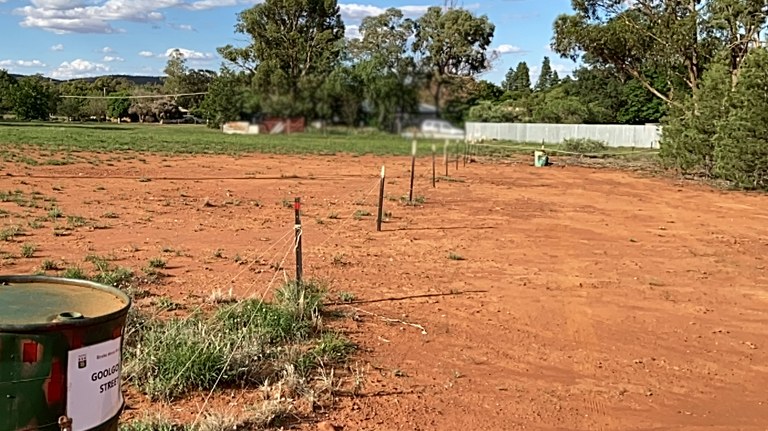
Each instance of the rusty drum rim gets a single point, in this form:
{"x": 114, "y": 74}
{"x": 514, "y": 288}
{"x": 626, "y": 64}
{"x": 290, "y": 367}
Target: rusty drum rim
{"x": 67, "y": 323}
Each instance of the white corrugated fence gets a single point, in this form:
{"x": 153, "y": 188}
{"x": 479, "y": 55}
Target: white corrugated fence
{"x": 614, "y": 135}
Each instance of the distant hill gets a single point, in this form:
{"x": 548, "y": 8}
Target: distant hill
{"x": 135, "y": 79}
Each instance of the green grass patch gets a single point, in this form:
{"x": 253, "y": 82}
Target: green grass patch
{"x": 153, "y": 423}
{"x": 28, "y": 250}
{"x": 347, "y": 297}
{"x": 417, "y": 201}
{"x": 76, "y": 221}
{"x": 75, "y": 272}
{"x": 9, "y": 233}
{"x": 49, "y": 265}
{"x": 157, "y": 263}
{"x": 237, "y": 345}
{"x": 359, "y": 214}
{"x": 35, "y": 223}
{"x": 192, "y": 139}
{"x": 55, "y": 212}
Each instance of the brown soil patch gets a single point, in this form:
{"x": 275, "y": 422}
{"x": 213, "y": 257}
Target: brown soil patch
{"x": 588, "y": 299}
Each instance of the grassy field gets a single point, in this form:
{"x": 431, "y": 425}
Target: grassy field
{"x": 189, "y": 139}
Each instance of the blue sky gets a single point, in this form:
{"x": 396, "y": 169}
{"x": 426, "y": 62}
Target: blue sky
{"x": 74, "y": 38}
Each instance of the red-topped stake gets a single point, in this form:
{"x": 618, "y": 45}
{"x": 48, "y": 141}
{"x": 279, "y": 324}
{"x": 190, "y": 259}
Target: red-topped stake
{"x": 297, "y": 226}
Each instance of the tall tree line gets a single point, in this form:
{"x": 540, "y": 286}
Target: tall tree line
{"x": 299, "y": 63}
{"x": 703, "y": 59}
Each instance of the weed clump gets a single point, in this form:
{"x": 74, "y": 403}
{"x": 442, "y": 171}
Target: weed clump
{"x": 242, "y": 344}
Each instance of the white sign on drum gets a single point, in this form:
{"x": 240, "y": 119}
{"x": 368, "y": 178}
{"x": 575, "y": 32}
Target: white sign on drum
{"x": 93, "y": 384}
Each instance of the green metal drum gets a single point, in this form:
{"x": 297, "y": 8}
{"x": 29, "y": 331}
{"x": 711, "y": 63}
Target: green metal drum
{"x": 60, "y": 354}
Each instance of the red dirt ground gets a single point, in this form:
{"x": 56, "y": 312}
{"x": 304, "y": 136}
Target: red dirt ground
{"x": 588, "y": 299}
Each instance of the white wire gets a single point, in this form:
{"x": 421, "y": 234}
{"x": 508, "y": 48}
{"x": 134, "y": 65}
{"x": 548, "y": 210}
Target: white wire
{"x": 241, "y": 338}
{"x": 189, "y": 362}
{"x": 200, "y": 306}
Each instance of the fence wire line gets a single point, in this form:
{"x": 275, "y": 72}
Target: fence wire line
{"x": 552, "y": 150}
{"x": 293, "y": 248}
{"x": 346, "y": 221}
{"x": 163, "y": 339}
{"x": 242, "y": 336}
{"x": 197, "y": 352}
{"x": 250, "y": 265}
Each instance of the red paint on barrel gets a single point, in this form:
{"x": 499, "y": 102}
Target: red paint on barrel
{"x": 54, "y": 392}
{"x": 29, "y": 352}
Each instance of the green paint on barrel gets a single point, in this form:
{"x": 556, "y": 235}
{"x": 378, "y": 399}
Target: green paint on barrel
{"x": 60, "y": 353}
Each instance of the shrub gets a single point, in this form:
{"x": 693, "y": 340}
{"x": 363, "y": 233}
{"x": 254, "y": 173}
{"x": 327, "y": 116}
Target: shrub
{"x": 250, "y": 342}
{"x": 584, "y": 145}
{"x": 741, "y": 148}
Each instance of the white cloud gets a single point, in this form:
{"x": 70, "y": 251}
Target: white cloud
{"x": 110, "y": 59}
{"x": 77, "y": 69}
{"x": 93, "y": 16}
{"x": 58, "y": 4}
{"x": 356, "y": 12}
{"x": 22, "y": 63}
{"x": 210, "y": 4}
{"x": 107, "y": 50}
{"x": 352, "y": 32}
{"x": 30, "y": 63}
{"x": 100, "y": 16}
{"x": 186, "y": 27}
{"x": 190, "y": 54}
{"x": 146, "y": 54}
{"x": 57, "y": 47}
{"x": 509, "y": 49}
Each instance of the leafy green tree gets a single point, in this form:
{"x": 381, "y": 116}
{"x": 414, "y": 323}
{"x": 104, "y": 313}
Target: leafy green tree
{"x": 389, "y": 73}
{"x": 118, "y": 107}
{"x": 230, "y": 98}
{"x": 180, "y": 79}
{"x": 7, "y": 82}
{"x": 547, "y": 78}
{"x": 489, "y": 112}
{"x": 676, "y": 39}
{"x": 296, "y": 45}
{"x": 597, "y": 87}
{"x": 33, "y": 98}
{"x": 557, "y": 107}
{"x": 741, "y": 144}
{"x": 688, "y": 137}
{"x": 75, "y": 108}
{"x": 469, "y": 94}
{"x": 451, "y": 43}
{"x": 518, "y": 81}
{"x": 71, "y": 108}
{"x": 105, "y": 85}
{"x": 175, "y": 72}
{"x": 638, "y": 105}
{"x": 341, "y": 96}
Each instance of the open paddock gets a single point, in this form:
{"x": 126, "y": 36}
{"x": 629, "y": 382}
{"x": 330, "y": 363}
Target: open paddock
{"x": 550, "y": 299}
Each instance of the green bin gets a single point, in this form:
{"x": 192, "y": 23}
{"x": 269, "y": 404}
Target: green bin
{"x": 60, "y": 354}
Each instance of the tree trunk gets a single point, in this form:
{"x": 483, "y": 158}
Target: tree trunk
{"x": 437, "y": 97}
